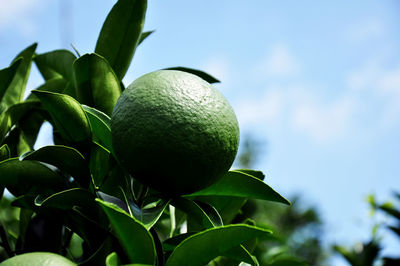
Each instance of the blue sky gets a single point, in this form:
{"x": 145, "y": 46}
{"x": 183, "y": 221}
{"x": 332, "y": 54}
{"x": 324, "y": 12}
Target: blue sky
{"x": 317, "y": 81}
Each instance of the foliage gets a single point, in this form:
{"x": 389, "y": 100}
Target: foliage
{"x": 75, "y": 199}
{"x": 368, "y": 253}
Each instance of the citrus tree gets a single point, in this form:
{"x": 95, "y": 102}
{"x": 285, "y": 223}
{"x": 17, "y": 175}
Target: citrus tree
{"x": 138, "y": 175}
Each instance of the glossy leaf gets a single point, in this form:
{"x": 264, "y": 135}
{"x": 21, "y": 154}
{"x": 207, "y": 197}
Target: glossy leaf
{"x": 7, "y": 76}
{"x": 260, "y": 175}
{"x": 133, "y": 236}
{"x": 13, "y": 114}
{"x": 67, "y": 199}
{"x": 204, "y": 246}
{"x": 113, "y": 260}
{"x": 194, "y": 210}
{"x": 96, "y": 83}
{"x": 57, "y": 85}
{"x": 239, "y": 184}
{"x": 56, "y": 64}
{"x": 144, "y": 35}
{"x": 22, "y": 175}
{"x": 68, "y": 115}
{"x": 199, "y": 73}
{"x": 148, "y": 216}
{"x": 121, "y": 33}
{"x": 15, "y": 92}
{"x": 66, "y": 159}
{"x": 100, "y": 126}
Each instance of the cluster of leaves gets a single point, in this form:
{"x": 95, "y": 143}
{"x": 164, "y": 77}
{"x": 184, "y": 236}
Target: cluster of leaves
{"x": 74, "y": 199}
{"x": 368, "y": 253}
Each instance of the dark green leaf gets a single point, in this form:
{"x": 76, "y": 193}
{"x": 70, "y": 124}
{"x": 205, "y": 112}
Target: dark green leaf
{"x": 144, "y": 35}
{"x": 241, "y": 254}
{"x": 4, "y": 152}
{"x": 133, "y": 236}
{"x": 15, "y": 92}
{"x": 121, "y": 33}
{"x": 56, "y": 64}
{"x": 25, "y": 174}
{"x": 100, "y": 125}
{"x": 99, "y": 164}
{"x": 96, "y": 83}
{"x": 260, "y": 175}
{"x": 148, "y": 216}
{"x": 68, "y": 115}
{"x": 66, "y": 159}
{"x": 171, "y": 243}
{"x": 239, "y": 184}
{"x": 67, "y": 199}
{"x": 199, "y": 73}
{"x": 7, "y": 76}
{"x": 13, "y": 114}
{"x": 204, "y": 246}
{"x": 390, "y": 210}
{"x": 195, "y": 211}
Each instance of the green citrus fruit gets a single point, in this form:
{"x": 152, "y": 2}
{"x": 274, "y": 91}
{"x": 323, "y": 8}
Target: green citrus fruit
{"x": 174, "y": 132}
{"x": 38, "y": 259}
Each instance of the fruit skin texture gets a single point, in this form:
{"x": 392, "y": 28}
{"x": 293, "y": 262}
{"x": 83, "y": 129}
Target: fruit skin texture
{"x": 38, "y": 259}
{"x": 174, "y": 132}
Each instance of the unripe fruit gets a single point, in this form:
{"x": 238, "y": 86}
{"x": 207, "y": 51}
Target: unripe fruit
{"x": 174, "y": 132}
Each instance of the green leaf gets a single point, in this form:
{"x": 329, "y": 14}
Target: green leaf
{"x": 4, "y": 152}
{"x": 239, "y": 184}
{"x": 96, "y": 83}
{"x": 148, "y": 216}
{"x": 66, "y": 159}
{"x": 7, "y": 76}
{"x": 133, "y": 236}
{"x": 57, "y": 85}
{"x": 171, "y": 243}
{"x": 113, "y": 260}
{"x": 196, "y": 212}
{"x": 144, "y": 35}
{"x": 199, "y": 73}
{"x": 68, "y": 115}
{"x": 56, "y": 64}
{"x": 14, "y": 113}
{"x": 67, "y": 199}
{"x": 204, "y": 246}
{"x": 99, "y": 163}
{"x": 22, "y": 175}
{"x": 260, "y": 175}
{"x": 15, "y": 92}
{"x": 100, "y": 126}
{"x": 241, "y": 254}
{"x": 121, "y": 33}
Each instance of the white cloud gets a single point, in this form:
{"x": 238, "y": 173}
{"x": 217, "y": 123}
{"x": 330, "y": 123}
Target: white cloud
{"x": 323, "y": 121}
{"x": 18, "y": 15}
{"x": 266, "y": 109}
{"x": 279, "y": 62}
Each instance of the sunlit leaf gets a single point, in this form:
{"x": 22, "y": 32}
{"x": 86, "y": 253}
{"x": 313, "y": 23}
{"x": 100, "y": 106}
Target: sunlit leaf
{"x": 68, "y": 115}
{"x": 204, "y": 246}
{"x": 16, "y": 90}
{"x": 100, "y": 126}
{"x": 96, "y": 83}
{"x": 4, "y": 152}
{"x": 133, "y": 236}
{"x": 144, "y": 35}
{"x": 7, "y": 76}
{"x": 121, "y": 33}
{"x": 239, "y": 184}
{"x": 56, "y": 64}
{"x": 199, "y": 73}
